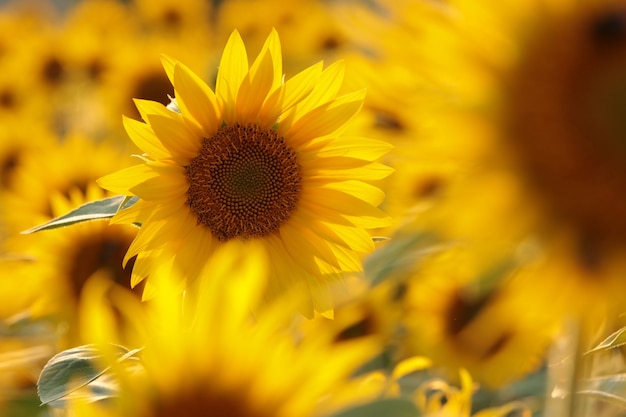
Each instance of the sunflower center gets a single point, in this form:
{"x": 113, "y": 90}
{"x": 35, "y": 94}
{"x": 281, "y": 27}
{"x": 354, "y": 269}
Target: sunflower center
{"x": 462, "y": 314}
{"x": 568, "y": 120}
{"x": 244, "y": 183}
{"x": 101, "y": 252}
{"x": 201, "y": 399}
{"x": 8, "y": 165}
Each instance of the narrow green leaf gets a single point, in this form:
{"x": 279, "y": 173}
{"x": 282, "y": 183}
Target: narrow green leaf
{"x": 616, "y": 339}
{"x": 100, "y": 209}
{"x": 76, "y": 368}
{"x": 611, "y": 388}
{"x": 388, "y": 407}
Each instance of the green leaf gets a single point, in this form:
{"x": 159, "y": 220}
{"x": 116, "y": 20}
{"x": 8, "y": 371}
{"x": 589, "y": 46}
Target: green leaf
{"x": 616, "y": 339}
{"x": 611, "y": 388}
{"x": 69, "y": 371}
{"x": 399, "y": 255}
{"x": 100, "y": 209}
{"x": 388, "y": 407}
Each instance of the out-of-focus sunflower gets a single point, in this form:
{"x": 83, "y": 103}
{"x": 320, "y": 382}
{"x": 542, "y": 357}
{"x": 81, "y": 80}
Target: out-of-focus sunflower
{"x": 308, "y": 28}
{"x": 60, "y": 172}
{"x": 536, "y": 91}
{"x": 470, "y": 309}
{"x": 171, "y": 18}
{"x": 17, "y": 141}
{"x": 195, "y": 363}
{"x": 384, "y": 38}
{"x": 137, "y": 72}
{"x": 260, "y": 161}
{"x": 64, "y": 260}
{"x": 364, "y": 312}
{"x": 95, "y": 35}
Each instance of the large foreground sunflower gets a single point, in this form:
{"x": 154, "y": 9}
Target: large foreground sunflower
{"x": 194, "y": 362}
{"x": 261, "y": 160}
{"x": 537, "y": 91}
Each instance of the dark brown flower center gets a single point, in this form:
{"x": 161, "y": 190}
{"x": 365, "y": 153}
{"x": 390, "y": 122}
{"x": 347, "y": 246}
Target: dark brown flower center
{"x": 53, "y": 71}
{"x": 8, "y": 165}
{"x": 153, "y": 85}
{"x": 244, "y": 183}
{"x": 463, "y": 310}
{"x": 203, "y": 399}
{"x": 101, "y": 252}
{"x": 567, "y": 110}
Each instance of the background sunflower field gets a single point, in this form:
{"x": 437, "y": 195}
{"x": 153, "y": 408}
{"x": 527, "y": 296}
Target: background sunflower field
{"x": 312, "y": 208}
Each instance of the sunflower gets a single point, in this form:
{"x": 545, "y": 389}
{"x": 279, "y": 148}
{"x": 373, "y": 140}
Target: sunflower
{"x": 95, "y": 35}
{"x": 172, "y": 18}
{"x": 310, "y": 30}
{"x": 193, "y": 359}
{"x": 384, "y": 39}
{"x": 260, "y": 161}
{"x": 55, "y": 173}
{"x": 65, "y": 261}
{"x": 137, "y": 73}
{"x": 535, "y": 94}
{"x": 472, "y": 309}
{"x": 17, "y": 141}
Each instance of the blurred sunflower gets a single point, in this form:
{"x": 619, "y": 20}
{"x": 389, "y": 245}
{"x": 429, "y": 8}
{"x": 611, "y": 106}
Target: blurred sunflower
{"x": 308, "y": 28}
{"x": 384, "y": 38}
{"x": 536, "y": 94}
{"x": 171, "y": 18}
{"x": 137, "y": 72}
{"x": 195, "y": 363}
{"x": 260, "y": 161}
{"x": 95, "y": 35}
{"x": 17, "y": 141}
{"x": 470, "y": 309}
{"x": 51, "y": 175}
{"x": 65, "y": 260}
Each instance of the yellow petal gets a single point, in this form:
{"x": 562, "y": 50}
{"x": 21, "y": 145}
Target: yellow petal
{"x": 356, "y": 147}
{"x": 324, "y": 90}
{"x": 264, "y": 77}
{"x": 358, "y": 212}
{"x": 410, "y": 365}
{"x": 361, "y": 190}
{"x": 324, "y": 120}
{"x": 176, "y": 136}
{"x": 172, "y": 186}
{"x": 308, "y": 242}
{"x": 289, "y": 94}
{"x": 232, "y": 70}
{"x": 122, "y": 181}
{"x": 143, "y": 136}
{"x": 168, "y": 64}
{"x": 333, "y": 169}
{"x": 149, "y": 107}
{"x": 137, "y": 213}
{"x": 195, "y": 98}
